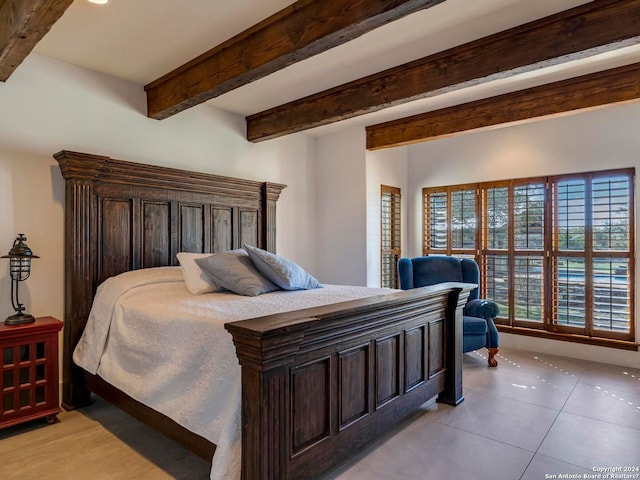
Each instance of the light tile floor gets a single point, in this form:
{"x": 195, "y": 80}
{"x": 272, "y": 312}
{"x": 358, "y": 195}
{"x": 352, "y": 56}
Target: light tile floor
{"x": 534, "y": 417}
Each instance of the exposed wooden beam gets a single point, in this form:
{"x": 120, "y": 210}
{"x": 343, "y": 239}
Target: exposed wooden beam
{"x": 595, "y": 27}
{"x": 23, "y": 23}
{"x": 615, "y": 86}
{"x": 303, "y": 29}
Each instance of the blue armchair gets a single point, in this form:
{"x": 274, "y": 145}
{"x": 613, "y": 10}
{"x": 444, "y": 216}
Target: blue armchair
{"x": 478, "y": 329}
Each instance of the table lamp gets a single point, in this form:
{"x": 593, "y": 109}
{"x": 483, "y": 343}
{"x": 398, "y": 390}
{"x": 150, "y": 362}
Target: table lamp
{"x": 19, "y": 257}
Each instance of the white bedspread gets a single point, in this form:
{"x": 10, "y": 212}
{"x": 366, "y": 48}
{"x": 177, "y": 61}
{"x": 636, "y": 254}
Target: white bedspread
{"x": 149, "y": 337}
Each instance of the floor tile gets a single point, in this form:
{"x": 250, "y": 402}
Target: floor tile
{"x": 591, "y": 443}
{"x": 537, "y": 363}
{"x": 134, "y": 450}
{"x": 359, "y": 472}
{"x": 612, "y": 376}
{"x": 543, "y": 467}
{"x": 522, "y": 425}
{"x": 427, "y": 449}
{"x": 528, "y": 362}
{"x": 572, "y": 413}
{"x": 606, "y": 404}
{"x": 546, "y": 390}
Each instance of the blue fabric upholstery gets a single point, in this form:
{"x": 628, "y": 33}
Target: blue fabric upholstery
{"x": 479, "y": 330}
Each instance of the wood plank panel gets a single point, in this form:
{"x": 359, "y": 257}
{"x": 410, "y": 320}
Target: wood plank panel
{"x": 222, "y": 224}
{"x": 23, "y": 23}
{"x": 592, "y": 28}
{"x": 156, "y": 234}
{"x": 354, "y": 385}
{"x": 619, "y": 85}
{"x": 248, "y": 233}
{"x": 192, "y": 228}
{"x": 299, "y": 31}
{"x": 310, "y": 394}
{"x": 415, "y": 356}
{"x": 116, "y": 237}
{"x": 437, "y": 351}
{"x": 388, "y": 370}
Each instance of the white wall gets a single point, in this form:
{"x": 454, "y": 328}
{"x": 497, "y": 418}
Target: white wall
{"x": 326, "y": 215}
{"x": 384, "y": 167}
{"x": 588, "y": 141}
{"x": 341, "y": 208}
{"x": 49, "y": 105}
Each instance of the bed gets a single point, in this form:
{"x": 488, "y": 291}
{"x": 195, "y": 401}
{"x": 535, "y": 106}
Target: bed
{"x": 317, "y": 384}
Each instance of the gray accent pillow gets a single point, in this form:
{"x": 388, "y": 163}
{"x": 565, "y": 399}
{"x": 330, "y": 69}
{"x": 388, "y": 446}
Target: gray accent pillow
{"x": 236, "y": 273}
{"x": 281, "y": 271}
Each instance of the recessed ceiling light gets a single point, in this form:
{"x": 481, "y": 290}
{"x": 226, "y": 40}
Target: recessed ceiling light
{"x": 99, "y": 2}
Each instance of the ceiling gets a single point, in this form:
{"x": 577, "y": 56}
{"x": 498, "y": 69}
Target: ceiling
{"x": 142, "y": 40}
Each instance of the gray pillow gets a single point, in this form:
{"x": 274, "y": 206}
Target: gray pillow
{"x": 284, "y": 273}
{"x": 236, "y": 273}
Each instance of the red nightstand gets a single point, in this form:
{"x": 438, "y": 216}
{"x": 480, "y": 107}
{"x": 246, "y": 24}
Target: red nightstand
{"x": 29, "y": 376}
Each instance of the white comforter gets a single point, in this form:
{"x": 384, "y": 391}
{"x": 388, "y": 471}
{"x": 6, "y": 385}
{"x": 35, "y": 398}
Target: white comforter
{"x": 149, "y": 337}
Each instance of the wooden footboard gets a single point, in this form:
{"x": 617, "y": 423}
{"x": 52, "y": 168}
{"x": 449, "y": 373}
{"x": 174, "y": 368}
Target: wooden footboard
{"x": 319, "y": 384}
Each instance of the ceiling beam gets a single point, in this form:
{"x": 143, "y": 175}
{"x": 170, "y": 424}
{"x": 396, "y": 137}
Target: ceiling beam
{"x": 23, "y": 23}
{"x": 303, "y": 29}
{"x": 592, "y": 28}
{"x": 588, "y": 92}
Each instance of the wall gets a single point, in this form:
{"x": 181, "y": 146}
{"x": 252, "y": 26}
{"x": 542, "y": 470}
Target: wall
{"x": 327, "y": 216}
{"x": 49, "y": 105}
{"x": 341, "y": 208}
{"x": 589, "y": 141}
{"x": 384, "y": 167}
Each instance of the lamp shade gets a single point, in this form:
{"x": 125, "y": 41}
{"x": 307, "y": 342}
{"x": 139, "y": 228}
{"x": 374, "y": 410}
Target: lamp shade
{"x": 19, "y": 257}
{"x": 20, "y": 249}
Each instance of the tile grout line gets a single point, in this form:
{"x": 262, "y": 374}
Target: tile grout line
{"x": 551, "y": 426}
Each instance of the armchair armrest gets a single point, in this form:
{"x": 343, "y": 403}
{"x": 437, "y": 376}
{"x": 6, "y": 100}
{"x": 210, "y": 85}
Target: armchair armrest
{"x": 487, "y": 309}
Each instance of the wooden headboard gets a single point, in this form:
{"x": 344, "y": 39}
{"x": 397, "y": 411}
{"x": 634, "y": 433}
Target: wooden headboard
{"x": 122, "y": 216}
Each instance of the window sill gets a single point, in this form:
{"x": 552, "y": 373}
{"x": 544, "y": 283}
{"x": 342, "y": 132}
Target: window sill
{"x": 568, "y": 337}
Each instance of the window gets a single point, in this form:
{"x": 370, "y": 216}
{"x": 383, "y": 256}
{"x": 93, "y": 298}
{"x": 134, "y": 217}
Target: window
{"x": 390, "y": 212}
{"x": 556, "y": 253}
{"x": 450, "y": 214}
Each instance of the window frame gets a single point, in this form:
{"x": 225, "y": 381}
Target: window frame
{"x": 426, "y": 211}
{"x": 395, "y": 234}
{"x": 548, "y": 326}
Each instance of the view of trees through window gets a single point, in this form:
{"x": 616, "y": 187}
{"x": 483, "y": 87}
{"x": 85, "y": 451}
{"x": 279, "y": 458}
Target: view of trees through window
{"x": 555, "y": 252}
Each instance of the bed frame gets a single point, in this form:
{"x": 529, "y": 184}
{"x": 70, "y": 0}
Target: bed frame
{"x": 317, "y": 384}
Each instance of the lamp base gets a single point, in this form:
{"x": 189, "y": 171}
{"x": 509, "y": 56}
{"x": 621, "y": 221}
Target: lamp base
{"x": 19, "y": 319}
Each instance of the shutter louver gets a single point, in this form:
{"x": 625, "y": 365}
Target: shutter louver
{"x": 390, "y": 236}
{"x": 556, "y": 253}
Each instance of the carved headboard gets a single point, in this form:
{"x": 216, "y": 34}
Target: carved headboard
{"x": 122, "y": 216}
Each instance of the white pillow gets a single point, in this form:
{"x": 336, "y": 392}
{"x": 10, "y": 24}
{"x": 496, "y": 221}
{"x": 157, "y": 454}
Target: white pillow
{"x": 196, "y": 280}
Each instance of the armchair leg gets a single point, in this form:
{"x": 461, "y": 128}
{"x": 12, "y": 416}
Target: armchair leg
{"x": 492, "y": 353}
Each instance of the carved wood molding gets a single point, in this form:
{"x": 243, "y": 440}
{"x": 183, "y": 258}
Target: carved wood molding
{"x": 293, "y": 364}
{"x": 23, "y": 23}
{"x": 88, "y": 167}
{"x": 123, "y": 215}
{"x": 303, "y": 29}
{"x": 270, "y": 340}
{"x": 592, "y": 28}
{"x": 619, "y": 85}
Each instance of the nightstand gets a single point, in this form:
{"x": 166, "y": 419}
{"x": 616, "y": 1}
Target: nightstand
{"x": 29, "y": 371}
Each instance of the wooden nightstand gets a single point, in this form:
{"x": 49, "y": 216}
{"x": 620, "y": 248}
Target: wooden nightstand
{"x": 29, "y": 371}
